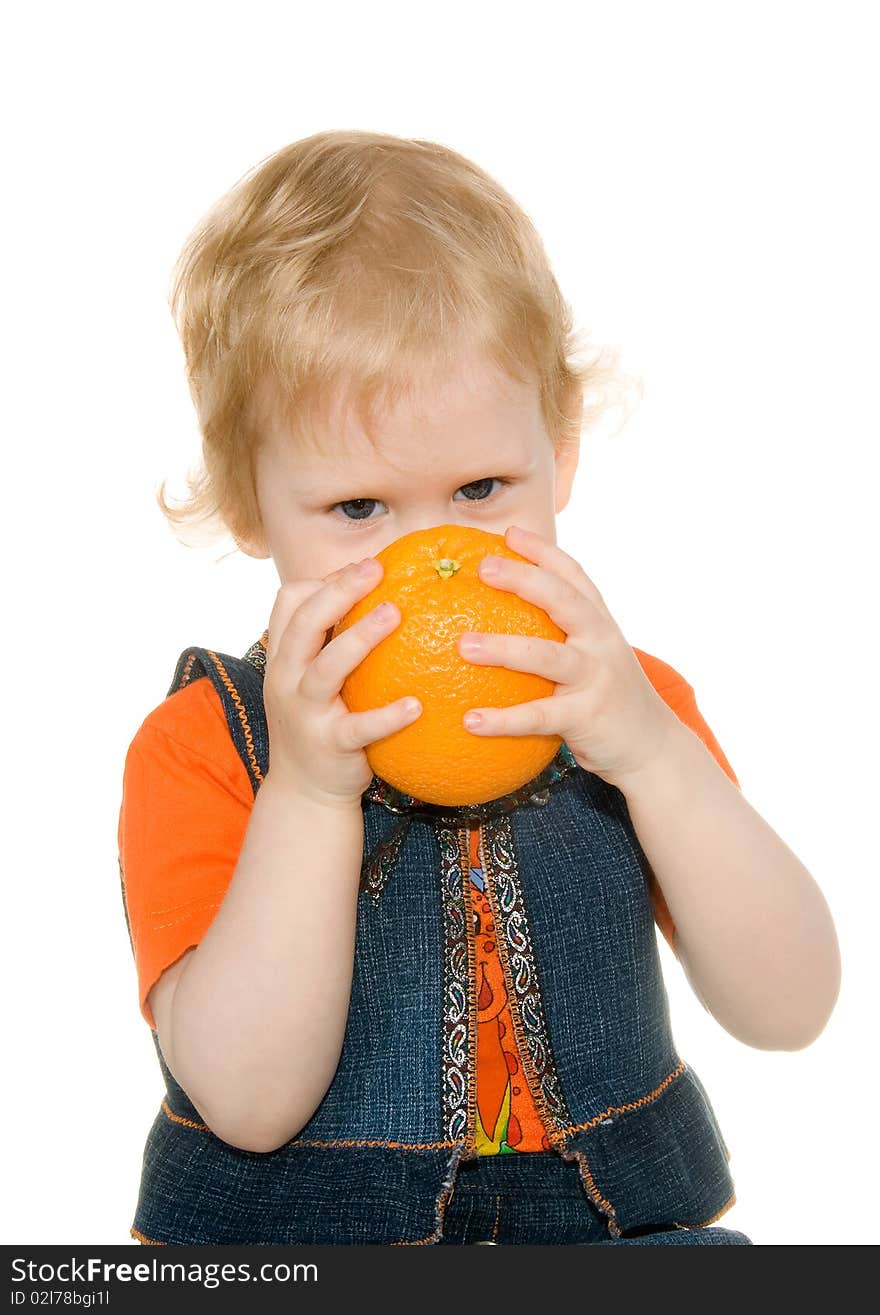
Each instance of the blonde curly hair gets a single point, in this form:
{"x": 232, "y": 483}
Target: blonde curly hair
{"x": 352, "y": 262}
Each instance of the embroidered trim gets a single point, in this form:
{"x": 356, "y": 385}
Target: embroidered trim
{"x": 455, "y": 1051}
{"x": 258, "y": 652}
{"x": 518, "y": 960}
{"x": 394, "y": 1145}
{"x": 185, "y": 675}
{"x": 472, "y": 993}
{"x": 380, "y": 792}
{"x": 378, "y": 867}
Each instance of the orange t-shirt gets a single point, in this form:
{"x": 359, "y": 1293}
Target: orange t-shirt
{"x": 186, "y": 804}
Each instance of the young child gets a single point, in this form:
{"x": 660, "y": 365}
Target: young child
{"x": 380, "y": 1020}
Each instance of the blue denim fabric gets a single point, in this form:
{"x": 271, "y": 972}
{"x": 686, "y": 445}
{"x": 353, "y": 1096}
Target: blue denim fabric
{"x": 538, "y": 1199}
{"x": 388, "y": 1154}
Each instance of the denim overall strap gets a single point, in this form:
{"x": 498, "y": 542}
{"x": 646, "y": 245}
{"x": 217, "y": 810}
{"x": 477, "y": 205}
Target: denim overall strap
{"x": 239, "y": 683}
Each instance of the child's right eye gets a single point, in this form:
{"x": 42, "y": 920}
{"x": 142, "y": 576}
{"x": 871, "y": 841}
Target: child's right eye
{"x": 474, "y": 484}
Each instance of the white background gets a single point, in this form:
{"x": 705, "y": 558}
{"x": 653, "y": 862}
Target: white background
{"x": 703, "y": 176}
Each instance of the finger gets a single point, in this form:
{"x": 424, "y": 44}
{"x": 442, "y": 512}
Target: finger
{"x": 333, "y": 575}
{"x": 538, "y": 717}
{"x": 287, "y": 600}
{"x": 358, "y": 729}
{"x": 542, "y": 657}
{"x": 305, "y": 633}
{"x": 561, "y": 600}
{"x": 323, "y": 677}
{"x": 291, "y": 596}
{"x": 542, "y": 552}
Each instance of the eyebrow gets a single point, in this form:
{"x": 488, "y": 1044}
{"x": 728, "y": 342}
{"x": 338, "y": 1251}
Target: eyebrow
{"x": 341, "y": 489}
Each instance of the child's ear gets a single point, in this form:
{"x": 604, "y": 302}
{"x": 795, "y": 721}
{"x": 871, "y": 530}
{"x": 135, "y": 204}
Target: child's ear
{"x": 256, "y": 546}
{"x": 566, "y": 458}
{"x": 566, "y": 464}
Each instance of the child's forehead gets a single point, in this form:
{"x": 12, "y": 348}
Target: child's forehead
{"x": 424, "y": 413}
{"x": 330, "y": 460}
{"x": 409, "y": 443}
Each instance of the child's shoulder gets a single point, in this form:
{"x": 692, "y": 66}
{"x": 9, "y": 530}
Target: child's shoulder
{"x": 186, "y": 714}
{"x": 191, "y": 719}
{"x": 186, "y": 739}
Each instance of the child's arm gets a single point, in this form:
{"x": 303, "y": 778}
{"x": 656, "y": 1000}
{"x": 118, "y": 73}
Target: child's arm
{"x": 254, "y": 1028}
{"x": 752, "y": 928}
{"x": 258, "y": 1014}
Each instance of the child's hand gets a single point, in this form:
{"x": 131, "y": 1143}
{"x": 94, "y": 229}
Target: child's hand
{"x": 604, "y": 707}
{"x": 315, "y": 743}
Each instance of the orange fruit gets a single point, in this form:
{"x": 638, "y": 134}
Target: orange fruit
{"x": 432, "y": 577}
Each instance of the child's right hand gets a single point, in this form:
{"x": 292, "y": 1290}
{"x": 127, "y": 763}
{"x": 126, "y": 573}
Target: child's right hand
{"x": 315, "y": 743}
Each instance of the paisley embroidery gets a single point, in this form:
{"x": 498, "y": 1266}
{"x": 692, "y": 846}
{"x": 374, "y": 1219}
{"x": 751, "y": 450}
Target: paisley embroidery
{"x": 535, "y": 791}
{"x": 515, "y": 947}
{"x": 380, "y": 863}
{"x": 458, "y": 1027}
{"x": 257, "y": 653}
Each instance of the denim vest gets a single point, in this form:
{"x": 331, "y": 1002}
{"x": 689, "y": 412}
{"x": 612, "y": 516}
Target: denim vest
{"x": 377, "y": 1161}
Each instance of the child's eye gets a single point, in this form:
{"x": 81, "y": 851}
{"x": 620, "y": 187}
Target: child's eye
{"x": 358, "y": 509}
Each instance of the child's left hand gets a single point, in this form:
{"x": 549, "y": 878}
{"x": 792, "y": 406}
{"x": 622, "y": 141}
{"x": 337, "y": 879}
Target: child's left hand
{"x": 604, "y": 706}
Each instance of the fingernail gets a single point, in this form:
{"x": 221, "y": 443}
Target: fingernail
{"x": 384, "y": 612}
{"x": 367, "y": 566}
{"x": 472, "y": 719}
{"x": 490, "y": 566}
{"x": 411, "y": 707}
{"x": 470, "y": 643}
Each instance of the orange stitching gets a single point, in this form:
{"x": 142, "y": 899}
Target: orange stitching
{"x": 147, "y": 1241}
{"x": 177, "y": 1118}
{"x": 497, "y": 1212}
{"x": 295, "y": 1141}
{"x": 592, "y": 1190}
{"x": 196, "y": 906}
{"x": 711, "y": 1220}
{"x": 442, "y": 1201}
{"x": 242, "y": 714}
{"x": 631, "y": 1105}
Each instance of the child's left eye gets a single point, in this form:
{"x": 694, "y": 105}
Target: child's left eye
{"x": 482, "y": 491}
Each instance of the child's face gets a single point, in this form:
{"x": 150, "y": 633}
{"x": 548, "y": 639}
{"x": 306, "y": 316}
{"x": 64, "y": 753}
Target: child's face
{"x": 440, "y": 457}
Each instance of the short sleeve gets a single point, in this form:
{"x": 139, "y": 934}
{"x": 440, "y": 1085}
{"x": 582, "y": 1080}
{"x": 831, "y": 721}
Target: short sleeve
{"x": 186, "y": 804}
{"x": 679, "y": 696}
